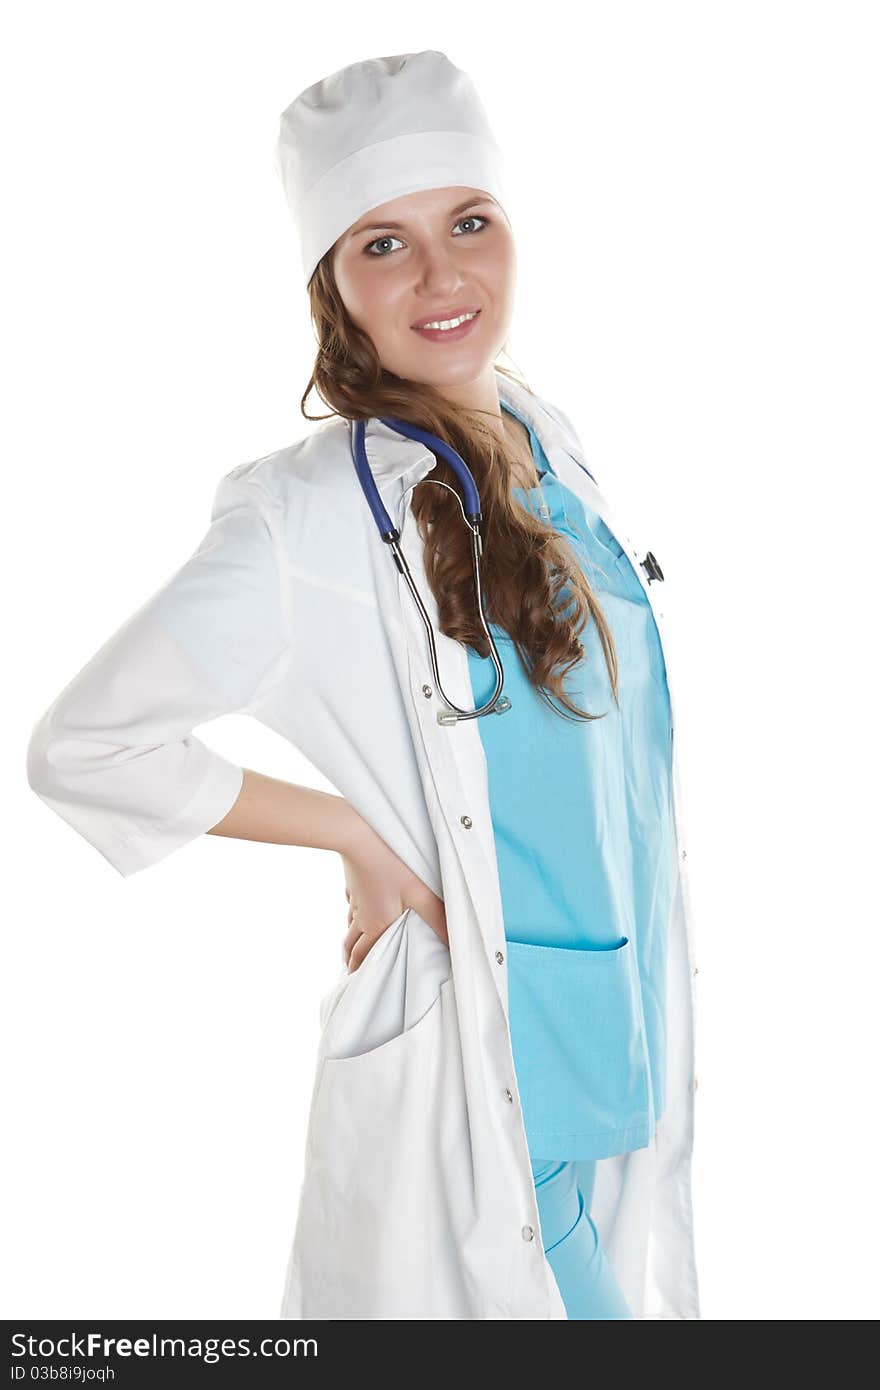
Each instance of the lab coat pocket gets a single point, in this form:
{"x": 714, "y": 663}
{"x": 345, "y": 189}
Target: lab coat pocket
{"x": 395, "y": 984}
{"x": 580, "y": 1051}
{"x": 332, "y": 998}
{"x": 388, "y": 1124}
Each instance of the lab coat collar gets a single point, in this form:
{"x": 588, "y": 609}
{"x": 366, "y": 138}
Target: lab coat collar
{"x": 553, "y": 434}
{"x": 398, "y": 463}
{"x": 395, "y": 461}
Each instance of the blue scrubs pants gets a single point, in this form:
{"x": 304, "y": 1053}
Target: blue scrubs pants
{"x": 571, "y": 1242}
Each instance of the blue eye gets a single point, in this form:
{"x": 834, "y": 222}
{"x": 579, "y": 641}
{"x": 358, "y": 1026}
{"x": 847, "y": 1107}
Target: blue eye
{"x": 472, "y": 217}
{"x": 377, "y": 242}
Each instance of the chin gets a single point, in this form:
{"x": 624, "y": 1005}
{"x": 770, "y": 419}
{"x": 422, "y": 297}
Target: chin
{"x": 458, "y": 366}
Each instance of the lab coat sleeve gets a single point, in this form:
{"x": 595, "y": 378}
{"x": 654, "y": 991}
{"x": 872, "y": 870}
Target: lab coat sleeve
{"x": 114, "y": 754}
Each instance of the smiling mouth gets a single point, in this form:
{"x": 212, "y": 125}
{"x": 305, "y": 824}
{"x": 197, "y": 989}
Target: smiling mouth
{"x": 446, "y": 325}
{"x": 449, "y": 330}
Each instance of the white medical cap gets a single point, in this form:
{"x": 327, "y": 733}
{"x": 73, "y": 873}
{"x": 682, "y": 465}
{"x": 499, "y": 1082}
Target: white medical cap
{"x": 377, "y": 130}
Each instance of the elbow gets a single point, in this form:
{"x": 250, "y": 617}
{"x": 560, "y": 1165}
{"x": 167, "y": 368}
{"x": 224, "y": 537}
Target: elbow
{"x": 54, "y": 755}
{"x": 39, "y": 758}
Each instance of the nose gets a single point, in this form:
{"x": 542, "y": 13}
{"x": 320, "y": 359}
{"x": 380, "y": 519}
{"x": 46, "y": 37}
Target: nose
{"x": 439, "y": 271}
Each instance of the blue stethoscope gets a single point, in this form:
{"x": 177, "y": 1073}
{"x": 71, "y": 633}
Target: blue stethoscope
{"x": 470, "y": 510}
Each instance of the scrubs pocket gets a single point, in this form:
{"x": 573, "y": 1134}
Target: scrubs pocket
{"x": 580, "y": 1051}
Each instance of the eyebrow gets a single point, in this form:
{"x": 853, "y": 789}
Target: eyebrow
{"x": 398, "y": 226}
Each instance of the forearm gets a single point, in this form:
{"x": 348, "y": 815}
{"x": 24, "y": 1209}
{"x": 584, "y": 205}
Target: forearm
{"x": 283, "y": 813}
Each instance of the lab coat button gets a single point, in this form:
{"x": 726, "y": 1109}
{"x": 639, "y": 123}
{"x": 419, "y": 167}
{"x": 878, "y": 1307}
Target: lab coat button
{"x": 499, "y": 956}
{"x": 528, "y": 1233}
{"x": 651, "y": 568}
{"x": 509, "y": 1094}
{"x": 466, "y": 822}
{"x": 684, "y": 854}
{"x": 427, "y": 692}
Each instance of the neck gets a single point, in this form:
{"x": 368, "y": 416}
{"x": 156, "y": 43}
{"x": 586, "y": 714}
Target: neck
{"x": 513, "y": 437}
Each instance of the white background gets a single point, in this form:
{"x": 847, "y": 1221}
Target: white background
{"x": 697, "y": 223}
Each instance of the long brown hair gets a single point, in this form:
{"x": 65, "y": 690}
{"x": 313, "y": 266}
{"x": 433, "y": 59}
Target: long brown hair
{"x": 533, "y": 587}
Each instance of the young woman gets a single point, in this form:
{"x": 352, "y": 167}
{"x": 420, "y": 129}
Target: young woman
{"x": 502, "y": 1116}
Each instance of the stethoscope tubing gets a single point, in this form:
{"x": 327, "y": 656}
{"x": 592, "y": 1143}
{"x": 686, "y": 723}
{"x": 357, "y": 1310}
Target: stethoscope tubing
{"x": 471, "y": 512}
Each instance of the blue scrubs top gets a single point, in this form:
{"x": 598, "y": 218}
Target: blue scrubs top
{"x": 582, "y": 815}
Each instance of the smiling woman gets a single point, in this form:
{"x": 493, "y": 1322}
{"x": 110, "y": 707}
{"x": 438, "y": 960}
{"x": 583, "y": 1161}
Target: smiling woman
{"x": 412, "y": 297}
{"x": 501, "y": 1114}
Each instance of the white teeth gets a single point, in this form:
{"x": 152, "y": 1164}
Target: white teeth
{"x": 449, "y": 323}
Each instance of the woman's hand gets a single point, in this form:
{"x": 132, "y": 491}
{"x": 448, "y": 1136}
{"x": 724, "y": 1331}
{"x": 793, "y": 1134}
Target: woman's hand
{"x": 378, "y": 886}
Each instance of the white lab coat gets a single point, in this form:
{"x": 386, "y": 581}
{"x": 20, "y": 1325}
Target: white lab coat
{"x": 417, "y": 1200}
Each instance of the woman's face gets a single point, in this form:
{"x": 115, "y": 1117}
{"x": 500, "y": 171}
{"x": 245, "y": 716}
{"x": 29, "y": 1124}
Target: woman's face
{"x": 431, "y": 255}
